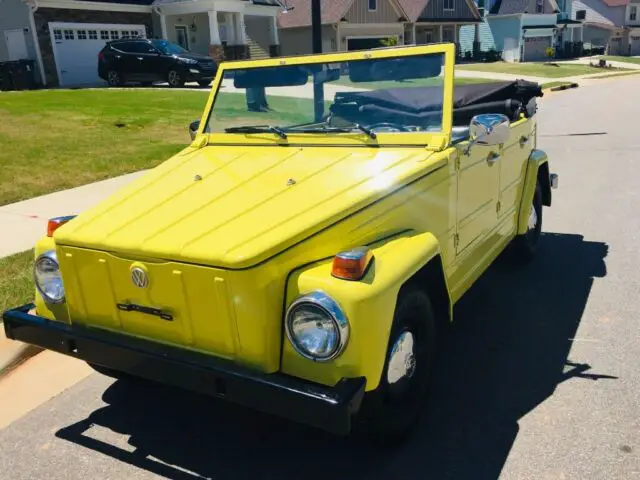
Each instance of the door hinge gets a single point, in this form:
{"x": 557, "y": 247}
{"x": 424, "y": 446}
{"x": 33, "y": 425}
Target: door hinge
{"x": 498, "y": 207}
{"x": 456, "y": 240}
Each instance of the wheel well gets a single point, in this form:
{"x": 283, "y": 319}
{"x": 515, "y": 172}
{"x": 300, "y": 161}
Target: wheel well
{"x": 545, "y": 183}
{"x": 431, "y": 279}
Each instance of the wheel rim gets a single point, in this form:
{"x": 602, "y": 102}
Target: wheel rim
{"x": 114, "y": 78}
{"x": 402, "y": 363}
{"x": 173, "y": 77}
{"x": 533, "y": 218}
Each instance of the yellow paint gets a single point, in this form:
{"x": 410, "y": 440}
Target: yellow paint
{"x": 228, "y": 242}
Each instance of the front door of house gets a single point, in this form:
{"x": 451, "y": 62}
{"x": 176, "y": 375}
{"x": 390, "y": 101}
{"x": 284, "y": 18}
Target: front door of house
{"x": 182, "y": 36}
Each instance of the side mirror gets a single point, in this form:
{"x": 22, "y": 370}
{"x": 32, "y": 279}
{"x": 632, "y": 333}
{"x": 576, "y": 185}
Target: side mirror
{"x": 488, "y": 129}
{"x": 193, "y": 129}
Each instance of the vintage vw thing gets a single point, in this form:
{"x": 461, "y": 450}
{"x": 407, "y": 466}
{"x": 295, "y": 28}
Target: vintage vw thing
{"x": 301, "y": 255}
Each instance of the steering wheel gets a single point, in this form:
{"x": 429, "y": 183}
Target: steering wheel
{"x": 393, "y": 126}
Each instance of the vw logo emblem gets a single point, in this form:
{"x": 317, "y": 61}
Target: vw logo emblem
{"x": 139, "y": 277}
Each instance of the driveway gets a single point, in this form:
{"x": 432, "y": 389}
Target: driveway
{"x": 537, "y": 380}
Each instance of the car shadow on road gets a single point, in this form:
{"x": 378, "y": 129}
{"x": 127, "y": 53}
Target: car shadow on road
{"x": 505, "y": 354}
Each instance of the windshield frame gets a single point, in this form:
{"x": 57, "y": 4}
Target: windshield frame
{"x": 430, "y": 140}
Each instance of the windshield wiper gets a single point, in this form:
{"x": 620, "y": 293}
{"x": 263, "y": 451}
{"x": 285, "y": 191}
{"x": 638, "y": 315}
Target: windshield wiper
{"x": 327, "y": 129}
{"x": 257, "y": 129}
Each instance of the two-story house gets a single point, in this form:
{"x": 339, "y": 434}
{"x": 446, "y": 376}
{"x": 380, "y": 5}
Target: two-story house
{"x": 64, "y": 37}
{"x": 523, "y": 30}
{"x": 613, "y": 24}
{"x": 362, "y": 24}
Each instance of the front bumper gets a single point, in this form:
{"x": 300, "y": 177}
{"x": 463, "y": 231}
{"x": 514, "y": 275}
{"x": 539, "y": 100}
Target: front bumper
{"x": 328, "y": 408}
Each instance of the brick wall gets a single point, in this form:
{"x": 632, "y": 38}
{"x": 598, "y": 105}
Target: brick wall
{"x": 45, "y": 15}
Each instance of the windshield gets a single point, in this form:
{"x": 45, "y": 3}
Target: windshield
{"x": 168, "y": 48}
{"x": 400, "y": 95}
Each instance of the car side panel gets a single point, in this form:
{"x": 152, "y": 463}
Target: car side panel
{"x": 369, "y": 305}
{"x": 513, "y": 166}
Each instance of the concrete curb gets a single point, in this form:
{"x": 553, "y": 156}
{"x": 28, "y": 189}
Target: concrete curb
{"x": 564, "y": 87}
{"x": 14, "y": 353}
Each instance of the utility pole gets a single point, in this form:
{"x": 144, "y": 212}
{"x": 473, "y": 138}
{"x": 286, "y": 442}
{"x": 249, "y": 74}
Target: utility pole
{"x": 316, "y": 46}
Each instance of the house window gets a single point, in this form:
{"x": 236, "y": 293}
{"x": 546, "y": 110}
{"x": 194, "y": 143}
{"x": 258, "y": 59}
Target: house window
{"x": 57, "y": 34}
{"x": 93, "y": 34}
{"x": 373, "y": 5}
{"x": 448, "y": 5}
{"x": 134, "y": 34}
{"x": 182, "y": 38}
{"x": 581, "y": 14}
{"x": 104, "y": 35}
{"x": 539, "y": 6}
{"x": 633, "y": 13}
{"x": 115, "y": 35}
{"x": 68, "y": 35}
{"x": 82, "y": 34}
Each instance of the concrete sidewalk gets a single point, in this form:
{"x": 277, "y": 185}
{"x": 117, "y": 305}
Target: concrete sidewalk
{"x": 27, "y": 220}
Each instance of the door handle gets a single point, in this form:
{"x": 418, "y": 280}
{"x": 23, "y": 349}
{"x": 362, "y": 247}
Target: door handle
{"x": 140, "y": 58}
{"x": 524, "y": 140}
{"x": 493, "y": 158}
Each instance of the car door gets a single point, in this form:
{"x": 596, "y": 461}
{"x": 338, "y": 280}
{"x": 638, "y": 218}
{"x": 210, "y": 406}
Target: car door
{"x": 124, "y": 60}
{"x": 512, "y": 171}
{"x": 478, "y": 192}
{"x": 147, "y": 60}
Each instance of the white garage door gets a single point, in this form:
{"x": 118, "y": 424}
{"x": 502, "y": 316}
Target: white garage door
{"x": 535, "y": 48}
{"x": 76, "y": 47}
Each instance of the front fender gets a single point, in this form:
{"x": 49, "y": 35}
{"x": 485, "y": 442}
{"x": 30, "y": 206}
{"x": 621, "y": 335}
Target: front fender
{"x": 369, "y": 305}
{"x": 537, "y": 159}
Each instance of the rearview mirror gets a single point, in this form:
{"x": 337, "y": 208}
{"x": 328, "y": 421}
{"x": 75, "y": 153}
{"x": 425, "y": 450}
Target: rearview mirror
{"x": 286, "y": 76}
{"x": 488, "y": 129}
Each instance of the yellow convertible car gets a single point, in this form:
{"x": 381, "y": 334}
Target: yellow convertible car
{"x": 303, "y": 253}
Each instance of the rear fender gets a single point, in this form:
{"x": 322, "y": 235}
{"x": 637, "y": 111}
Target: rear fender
{"x": 537, "y": 170}
{"x": 369, "y": 305}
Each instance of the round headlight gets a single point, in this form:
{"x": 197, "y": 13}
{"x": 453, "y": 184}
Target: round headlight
{"x": 317, "y": 327}
{"x": 47, "y": 277}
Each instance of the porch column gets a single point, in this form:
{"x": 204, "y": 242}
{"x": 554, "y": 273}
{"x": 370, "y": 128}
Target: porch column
{"x": 163, "y": 26}
{"x": 414, "y": 40}
{"x": 455, "y": 33}
{"x": 241, "y": 34}
{"x": 231, "y": 29}
{"x": 274, "y": 31}
{"x": 214, "y": 29}
{"x": 216, "y": 50}
{"x": 441, "y": 35}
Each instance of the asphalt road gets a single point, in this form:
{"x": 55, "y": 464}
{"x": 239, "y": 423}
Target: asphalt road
{"x": 538, "y": 380}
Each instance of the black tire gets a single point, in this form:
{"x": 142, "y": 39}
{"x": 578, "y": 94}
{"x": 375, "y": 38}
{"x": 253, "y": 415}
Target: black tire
{"x": 391, "y": 412}
{"x": 115, "y": 78}
{"x": 526, "y": 245}
{"x": 204, "y": 84}
{"x": 175, "y": 78}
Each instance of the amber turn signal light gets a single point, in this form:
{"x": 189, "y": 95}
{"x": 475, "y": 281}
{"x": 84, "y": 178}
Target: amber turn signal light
{"x": 56, "y": 222}
{"x": 352, "y": 264}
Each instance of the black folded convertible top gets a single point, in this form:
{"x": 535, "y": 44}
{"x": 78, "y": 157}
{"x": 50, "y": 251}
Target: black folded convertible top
{"x": 510, "y": 98}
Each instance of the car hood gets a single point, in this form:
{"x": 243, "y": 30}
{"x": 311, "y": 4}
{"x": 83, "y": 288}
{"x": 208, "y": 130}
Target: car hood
{"x": 234, "y": 207}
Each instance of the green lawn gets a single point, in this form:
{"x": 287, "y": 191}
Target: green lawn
{"x": 16, "y": 280}
{"x": 534, "y": 69}
{"x": 615, "y": 58}
{"x": 58, "y": 139}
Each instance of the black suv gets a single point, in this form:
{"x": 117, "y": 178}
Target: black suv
{"x": 147, "y": 61}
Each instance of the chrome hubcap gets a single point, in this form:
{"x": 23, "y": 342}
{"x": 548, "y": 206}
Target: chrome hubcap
{"x": 402, "y": 362}
{"x": 173, "y": 78}
{"x": 113, "y": 77}
{"x": 533, "y": 218}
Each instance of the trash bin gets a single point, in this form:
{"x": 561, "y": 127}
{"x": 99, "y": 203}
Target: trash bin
{"x": 17, "y": 75}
